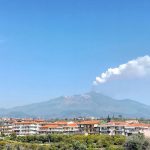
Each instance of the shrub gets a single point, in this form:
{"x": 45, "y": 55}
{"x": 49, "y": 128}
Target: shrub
{"x": 137, "y": 142}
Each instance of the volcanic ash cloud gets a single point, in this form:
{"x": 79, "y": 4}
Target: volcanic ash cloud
{"x": 139, "y": 67}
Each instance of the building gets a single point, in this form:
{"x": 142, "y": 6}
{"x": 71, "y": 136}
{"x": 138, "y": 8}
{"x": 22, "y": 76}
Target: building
{"x": 89, "y": 126}
{"x": 31, "y": 127}
{"x": 26, "y": 128}
{"x": 123, "y": 128}
{"x": 59, "y": 127}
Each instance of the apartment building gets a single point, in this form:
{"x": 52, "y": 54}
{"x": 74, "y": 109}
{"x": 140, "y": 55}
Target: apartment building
{"x": 59, "y": 127}
{"x": 50, "y": 128}
{"x": 89, "y": 126}
{"x": 123, "y": 128}
{"x": 71, "y": 127}
{"x": 6, "y": 126}
{"x": 6, "y": 130}
{"x": 30, "y": 127}
{"x": 26, "y": 128}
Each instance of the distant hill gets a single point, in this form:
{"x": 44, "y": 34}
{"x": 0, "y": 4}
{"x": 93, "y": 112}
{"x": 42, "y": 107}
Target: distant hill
{"x": 89, "y": 104}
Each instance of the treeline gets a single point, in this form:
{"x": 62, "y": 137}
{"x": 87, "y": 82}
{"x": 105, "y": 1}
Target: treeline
{"x": 67, "y": 142}
{"x": 75, "y": 142}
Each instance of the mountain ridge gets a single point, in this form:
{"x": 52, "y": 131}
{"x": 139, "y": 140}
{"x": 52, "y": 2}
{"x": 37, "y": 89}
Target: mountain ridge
{"x": 88, "y": 104}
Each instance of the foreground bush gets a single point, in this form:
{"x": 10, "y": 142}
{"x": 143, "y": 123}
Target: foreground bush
{"x": 137, "y": 142}
{"x": 63, "y": 142}
{"x": 75, "y": 142}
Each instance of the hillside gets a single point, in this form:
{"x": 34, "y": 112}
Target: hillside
{"x": 89, "y": 104}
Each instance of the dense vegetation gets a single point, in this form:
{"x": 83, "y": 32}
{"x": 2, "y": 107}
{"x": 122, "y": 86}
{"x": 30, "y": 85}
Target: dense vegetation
{"x": 74, "y": 142}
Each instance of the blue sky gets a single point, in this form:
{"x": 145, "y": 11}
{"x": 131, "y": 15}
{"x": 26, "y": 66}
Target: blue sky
{"x": 50, "y": 48}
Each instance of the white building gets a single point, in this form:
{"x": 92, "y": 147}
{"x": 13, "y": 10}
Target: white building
{"x": 26, "y": 128}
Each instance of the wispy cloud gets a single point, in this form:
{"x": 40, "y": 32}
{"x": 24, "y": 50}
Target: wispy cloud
{"x": 139, "y": 67}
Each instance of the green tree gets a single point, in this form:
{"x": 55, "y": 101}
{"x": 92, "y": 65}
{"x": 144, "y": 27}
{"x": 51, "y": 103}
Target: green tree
{"x": 13, "y": 136}
{"x": 108, "y": 119}
{"x": 137, "y": 142}
{"x": 79, "y": 146}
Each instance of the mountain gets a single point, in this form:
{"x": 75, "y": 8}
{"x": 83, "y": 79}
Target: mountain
{"x": 89, "y": 104}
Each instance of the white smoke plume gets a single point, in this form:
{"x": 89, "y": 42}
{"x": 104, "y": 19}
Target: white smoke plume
{"x": 139, "y": 67}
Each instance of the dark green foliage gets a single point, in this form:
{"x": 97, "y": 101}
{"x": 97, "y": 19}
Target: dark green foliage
{"x": 108, "y": 119}
{"x": 13, "y": 136}
{"x": 119, "y": 140}
{"x": 75, "y": 142}
{"x": 137, "y": 142}
{"x": 68, "y": 142}
{"x": 79, "y": 146}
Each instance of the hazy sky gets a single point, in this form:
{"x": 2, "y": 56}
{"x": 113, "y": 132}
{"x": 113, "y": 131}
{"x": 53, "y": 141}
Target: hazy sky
{"x": 50, "y": 48}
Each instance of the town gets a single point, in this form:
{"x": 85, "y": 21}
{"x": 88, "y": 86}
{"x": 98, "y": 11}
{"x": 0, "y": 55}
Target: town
{"x": 22, "y": 127}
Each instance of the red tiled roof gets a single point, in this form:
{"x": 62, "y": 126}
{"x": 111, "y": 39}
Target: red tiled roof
{"x": 49, "y": 126}
{"x": 61, "y": 122}
{"x": 138, "y": 125}
{"x": 89, "y": 122}
{"x": 121, "y": 123}
{"x": 22, "y": 123}
{"x": 72, "y": 125}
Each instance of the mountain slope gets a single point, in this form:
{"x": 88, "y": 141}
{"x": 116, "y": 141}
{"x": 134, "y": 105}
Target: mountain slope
{"x": 89, "y": 104}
